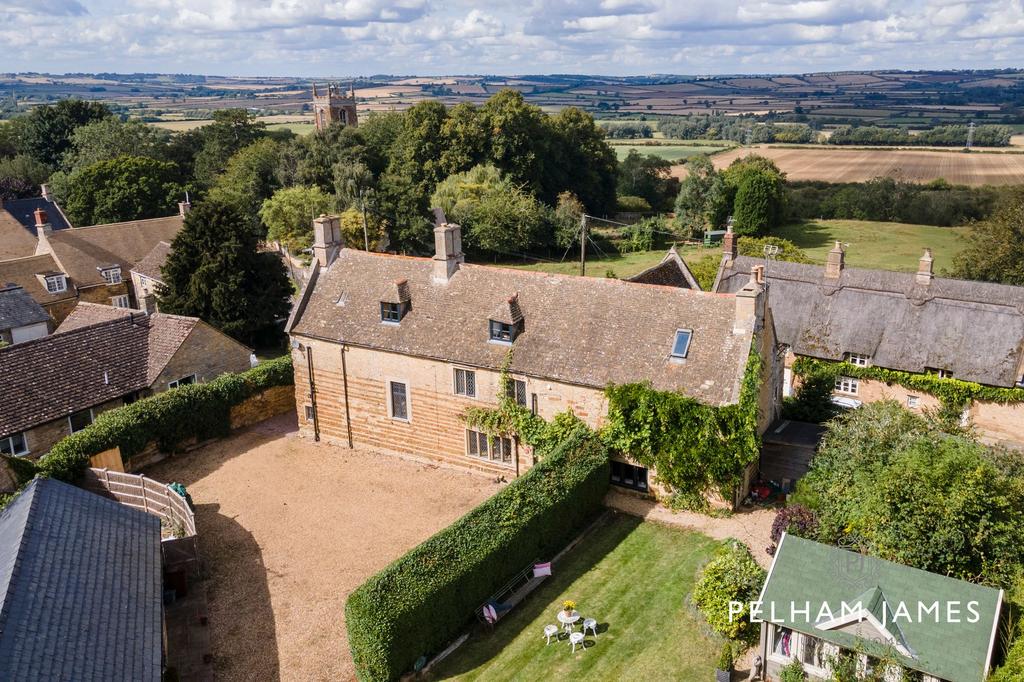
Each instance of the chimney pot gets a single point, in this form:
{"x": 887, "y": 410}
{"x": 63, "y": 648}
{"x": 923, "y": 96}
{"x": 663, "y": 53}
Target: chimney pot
{"x": 924, "y": 268}
{"x": 729, "y": 246}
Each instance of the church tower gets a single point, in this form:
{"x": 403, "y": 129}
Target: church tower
{"x": 334, "y": 107}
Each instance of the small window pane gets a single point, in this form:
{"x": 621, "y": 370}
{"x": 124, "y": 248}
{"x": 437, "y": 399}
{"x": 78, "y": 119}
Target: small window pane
{"x": 465, "y": 383}
{"x": 14, "y": 445}
{"x": 681, "y": 345}
{"x": 390, "y": 312}
{"x": 472, "y": 448}
{"x": 399, "y": 401}
{"x": 501, "y": 331}
{"x": 309, "y": 413}
{"x": 80, "y": 420}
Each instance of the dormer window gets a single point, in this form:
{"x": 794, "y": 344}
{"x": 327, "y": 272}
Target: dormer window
{"x": 390, "y": 312}
{"x": 681, "y": 343}
{"x": 506, "y": 323}
{"x": 56, "y": 284}
{"x": 940, "y": 373}
{"x": 858, "y": 359}
{"x": 111, "y": 275}
{"x": 394, "y": 302}
{"x": 502, "y": 332}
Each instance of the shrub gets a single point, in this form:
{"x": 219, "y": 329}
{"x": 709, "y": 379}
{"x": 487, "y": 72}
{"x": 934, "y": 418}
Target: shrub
{"x": 631, "y": 204}
{"x": 792, "y": 672}
{"x": 732, "y": 576}
{"x": 421, "y": 601}
{"x": 796, "y": 519}
{"x": 170, "y": 418}
{"x": 725, "y": 658}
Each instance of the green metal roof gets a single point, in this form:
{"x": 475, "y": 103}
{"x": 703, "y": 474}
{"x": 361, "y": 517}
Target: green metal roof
{"x": 820, "y": 579}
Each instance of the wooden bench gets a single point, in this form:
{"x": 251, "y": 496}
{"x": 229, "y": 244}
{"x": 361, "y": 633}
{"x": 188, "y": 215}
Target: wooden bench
{"x": 512, "y": 592}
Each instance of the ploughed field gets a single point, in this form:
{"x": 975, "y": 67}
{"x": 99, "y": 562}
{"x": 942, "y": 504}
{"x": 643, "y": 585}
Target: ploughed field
{"x": 857, "y": 165}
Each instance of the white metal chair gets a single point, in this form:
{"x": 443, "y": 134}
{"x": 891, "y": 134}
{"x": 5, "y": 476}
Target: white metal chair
{"x": 577, "y": 638}
{"x": 590, "y": 624}
{"x": 549, "y": 632}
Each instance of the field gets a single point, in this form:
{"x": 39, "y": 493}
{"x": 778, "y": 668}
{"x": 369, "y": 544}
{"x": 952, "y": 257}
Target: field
{"x": 669, "y": 152}
{"x": 298, "y": 125}
{"x": 633, "y": 577}
{"x": 857, "y": 165}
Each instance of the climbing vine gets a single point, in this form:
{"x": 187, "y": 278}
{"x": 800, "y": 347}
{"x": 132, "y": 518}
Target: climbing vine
{"x": 695, "y": 448}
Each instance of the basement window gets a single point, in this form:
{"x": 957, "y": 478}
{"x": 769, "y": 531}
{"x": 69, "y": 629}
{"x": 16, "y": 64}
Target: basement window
{"x": 681, "y": 343}
{"x": 629, "y": 476}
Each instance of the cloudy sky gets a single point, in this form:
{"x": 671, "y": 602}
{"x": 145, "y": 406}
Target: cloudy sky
{"x": 362, "y": 37}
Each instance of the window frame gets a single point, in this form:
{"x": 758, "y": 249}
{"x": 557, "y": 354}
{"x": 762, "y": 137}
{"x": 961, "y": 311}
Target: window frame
{"x": 60, "y": 283}
{"x": 913, "y": 401}
{"x": 512, "y": 391}
{"x": 115, "y": 301}
{"x": 617, "y": 476}
{"x": 499, "y": 449}
{"x": 389, "y": 309}
{"x": 71, "y": 424}
{"x": 14, "y": 452}
{"x": 847, "y": 385}
{"x": 497, "y": 331}
{"x": 308, "y": 413}
{"x": 468, "y": 382}
{"x": 115, "y": 276}
{"x": 858, "y": 359}
{"x": 389, "y": 390}
{"x": 188, "y": 380}
{"x": 686, "y": 348}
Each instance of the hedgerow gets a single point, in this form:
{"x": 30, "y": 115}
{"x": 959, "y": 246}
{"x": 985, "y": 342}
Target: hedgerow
{"x": 421, "y": 601}
{"x": 171, "y": 418}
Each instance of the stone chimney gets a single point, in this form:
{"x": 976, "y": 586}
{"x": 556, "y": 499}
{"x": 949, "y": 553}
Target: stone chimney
{"x": 44, "y": 191}
{"x": 448, "y": 254}
{"x": 750, "y": 303}
{"x": 327, "y": 239}
{"x": 184, "y": 207}
{"x": 834, "y": 264}
{"x": 729, "y": 246}
{"x": 924, "y": 268}
{"x": 43, "y": 225}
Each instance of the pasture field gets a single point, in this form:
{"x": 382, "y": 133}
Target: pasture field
{"x": 669, "y": 152}
{"x": 858, "y": 165}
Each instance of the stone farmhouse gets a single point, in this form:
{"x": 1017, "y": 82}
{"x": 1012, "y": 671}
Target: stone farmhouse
{"x": 101, "y": 358}
{"x": 389, "y": 351}
{"x": 911, "y": 322}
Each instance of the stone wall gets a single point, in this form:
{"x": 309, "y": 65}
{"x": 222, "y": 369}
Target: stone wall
{"x": 262, "y": 406}
{"x": 1002, "y": 423}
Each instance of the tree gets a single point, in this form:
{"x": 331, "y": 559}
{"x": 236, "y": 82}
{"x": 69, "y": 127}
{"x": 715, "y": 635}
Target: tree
{"x": 320, "y": 152}
{"x": 648, "y": 177}
{"x": 731, "y": 576}
{"x": 466, "y": 138}
{"x": 584, "y": 163}
{"x": 567, "y": 220}
{"x": 45, "y": 132}
{"x": 216, "y": 272}
{"x": 289, "y": 214}
{"x": 352, "y": 229}
{"x": 231, "y": 130}
{"x": 249, "y": 179}
{"x": 758, "y": 190}
{"x": 702, "y": 200}
{"x": 120, "y": 189}
{"x": 20, "y": 176}
{"x": 496, "y": 216}
{"x": 352, "y": 181}
{"x": 517, "y": 139}
{"x": 995, "y": 248}
{"x": 109, "y": 138}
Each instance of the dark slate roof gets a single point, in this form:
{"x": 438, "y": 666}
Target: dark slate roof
{"x": 809, "y": 574}
{"x": 80, "y": 584}
{"x": 579, "y": 330}
{"x": 671, "y": 271}
{"x": 18, "y": 309}
{"x": 82, "y": 251}
{"x": 150, "y": 265}
{"x": 23, "y": 211}
{"x": 52, "y": 377}
{"x": 973, "y": 329}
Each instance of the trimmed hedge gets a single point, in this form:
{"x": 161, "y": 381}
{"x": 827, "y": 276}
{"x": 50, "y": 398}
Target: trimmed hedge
{"x": 415, "y": 606}
{"x": 199, "y": 411}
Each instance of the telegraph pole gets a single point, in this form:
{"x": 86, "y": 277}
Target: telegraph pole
{"x": 583, "y": 245}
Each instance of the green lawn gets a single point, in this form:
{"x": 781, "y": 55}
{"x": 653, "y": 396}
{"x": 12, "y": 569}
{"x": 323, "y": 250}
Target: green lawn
{"x": 297, "y": 128}
{"x": 669, "y": 152}
{"x": 622, "y": 265}
{"x": 886, "y": 246}
{"x": 633, "y": 577}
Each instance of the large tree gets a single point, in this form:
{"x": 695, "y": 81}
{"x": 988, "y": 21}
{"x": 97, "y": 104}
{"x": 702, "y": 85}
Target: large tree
{"x": 216, "y": 272}
{"x": 45, "y": 132}
{"x": 584, "y": 163}
{"x": 20, "y": 176}
{"x": 702, "y": 202}
{"x": 648, "y": 177}
{"x": 995, "y": 248}
{"x": 756, "y": 187}
{"x": 231, "y": 130}
{"x": 289, "y": 214}
{"x": 517, "y": 140}
{"x": 250, "y": 178}
{"x": 109, "y": 138}
{"x": 124, "y": 188}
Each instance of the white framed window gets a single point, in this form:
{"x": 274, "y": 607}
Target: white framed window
{"x": 111, "y": 275}
{"x": 183, "y": 381}
{"x": 398, "y": 400}
{"x": 121, "y": 301}
{"x": 465, "y": 382}
{"x": 847, "y": 385}
{"x": 15, "y": 444}
{"x": 783, "y": 645}
{"x": 80, "y": 420}
{"x": 498, "y": 449}
{"x": 944, "y": 374}
{"x": 56, "y": 284}
{"x": 913, "y": 401}
{"x": 309, "y": 413}
{"x": 858, "y": 359}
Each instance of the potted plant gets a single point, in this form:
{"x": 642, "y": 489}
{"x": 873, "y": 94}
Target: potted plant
{"x": 723, "y": 673}
{"x": 568, "y": 606}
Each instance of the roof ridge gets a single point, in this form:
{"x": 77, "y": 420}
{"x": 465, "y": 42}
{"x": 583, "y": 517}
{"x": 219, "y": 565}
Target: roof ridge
{"x": 72, "y": 230}
{"x": 31, "y": 489}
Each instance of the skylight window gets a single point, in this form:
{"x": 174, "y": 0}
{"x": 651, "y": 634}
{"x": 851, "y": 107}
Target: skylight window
{"x": 681, "y": 345}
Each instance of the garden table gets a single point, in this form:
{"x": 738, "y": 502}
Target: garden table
{"x": 568, "y": 620}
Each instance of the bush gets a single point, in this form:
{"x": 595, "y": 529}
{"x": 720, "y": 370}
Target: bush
{"x": 170, "y": 418}
{"x": 628, "y": 204}
{"x": 421, "y": 601}
{"x": 792, "y": 672}
{"x": 732, "y": 575}
{"x": 725, "y": 658}
{"x": 796, "y": 519}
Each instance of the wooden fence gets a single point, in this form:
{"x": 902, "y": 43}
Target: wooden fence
{"x": 152, "y": 497}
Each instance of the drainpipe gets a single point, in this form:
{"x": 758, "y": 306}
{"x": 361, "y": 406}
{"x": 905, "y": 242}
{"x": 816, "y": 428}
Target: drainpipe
{"x": 312, "y": 393}
{"x": 344, "y": 381}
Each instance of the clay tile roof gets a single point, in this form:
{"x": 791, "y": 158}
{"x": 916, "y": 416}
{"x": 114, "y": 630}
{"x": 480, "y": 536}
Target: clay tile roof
{"x": 15, "y": 240}
{"x": 18, "y": 309}
{"x": 973, "y": 329}
{"x": 578, "y": 330}
{"x": 396, "y": 292}
{"x": 26, "y": 273}
{"x": 84, "y": 250}
{"x": 85, "y": 314}
{"x": 52, "y": 377}
{"x": 153, "y": 261}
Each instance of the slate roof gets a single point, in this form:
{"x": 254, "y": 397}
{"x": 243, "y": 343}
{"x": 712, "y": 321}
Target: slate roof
{"x": 83, "y": 250}
{"x": 672, "y": 271}
{"x": 809, "y": 574}
{"x": 150, "y": 265}
{"x": 18, "y": 309}
{"x": 15, "y": 240}
{"x": 23, "y": 211}
{"x": 52, "y": 377}
{"x": 25, "y": 273}
{"x": 578, "y": 330}
{"x": 973, "y": 329}
{"x": 80, "y": 588}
